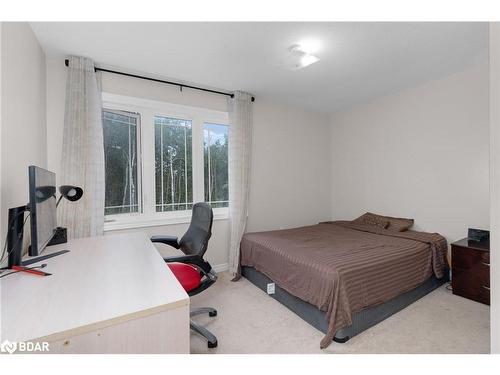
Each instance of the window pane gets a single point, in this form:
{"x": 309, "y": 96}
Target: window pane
{"x": 120, "y": 153}
{"x": 173, "y": 164}
{"x": 216, "y": 164}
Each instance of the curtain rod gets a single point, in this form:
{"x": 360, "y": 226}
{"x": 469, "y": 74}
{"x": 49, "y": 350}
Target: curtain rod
{"x": 66, "y": 62}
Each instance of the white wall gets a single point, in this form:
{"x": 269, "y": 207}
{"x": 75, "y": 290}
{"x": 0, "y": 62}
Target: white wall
{"x": 288, "y": 142}
{"x": 24, "y": 130}
{"x": 291, "y": 181}
{"x": 495, "y": 185}
{"x": 421, "y": 153}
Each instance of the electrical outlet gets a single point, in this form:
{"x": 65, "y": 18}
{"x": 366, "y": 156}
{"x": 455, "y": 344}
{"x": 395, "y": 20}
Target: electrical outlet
{"x": 271, "y": 288}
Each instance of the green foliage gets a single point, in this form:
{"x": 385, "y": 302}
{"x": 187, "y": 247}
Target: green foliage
{"x": 173, "y": 164}
{"x": 120, "y": 157}
{"x": 216, "y": 166}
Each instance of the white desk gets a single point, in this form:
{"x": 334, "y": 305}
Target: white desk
{"x": 109, "y": 294}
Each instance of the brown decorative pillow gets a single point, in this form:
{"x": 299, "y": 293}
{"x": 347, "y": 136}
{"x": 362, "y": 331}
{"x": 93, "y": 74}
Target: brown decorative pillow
{"x": 396, "y": 224}
{"x": 399, "y": 224}
{"x": 371, "y": 219}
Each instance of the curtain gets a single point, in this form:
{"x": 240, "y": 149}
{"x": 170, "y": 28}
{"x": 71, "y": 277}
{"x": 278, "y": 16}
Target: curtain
{"x": 240, "y": 152}
{"x": 83, "y": 150}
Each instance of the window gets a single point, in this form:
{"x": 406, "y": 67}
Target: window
{"x": 160, "y": 158}
{"x": 120, "y": 158}
{"x": 173, "y": 164}
{"x": 215, "y": 147}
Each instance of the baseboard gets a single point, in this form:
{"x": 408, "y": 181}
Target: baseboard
{"x": 221, "y": 267}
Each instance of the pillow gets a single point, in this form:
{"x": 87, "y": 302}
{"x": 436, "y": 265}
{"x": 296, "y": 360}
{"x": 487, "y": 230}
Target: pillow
{"x": 371, "y": 219}
{"x": 396, "y": 224}
{"x": 399, "y": 224}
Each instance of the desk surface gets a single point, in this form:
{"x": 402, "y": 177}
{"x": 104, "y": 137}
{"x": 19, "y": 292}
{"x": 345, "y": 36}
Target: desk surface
{"x": 102, "y": 281}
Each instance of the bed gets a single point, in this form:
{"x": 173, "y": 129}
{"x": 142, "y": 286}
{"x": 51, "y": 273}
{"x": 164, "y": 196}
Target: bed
{"x": 343, "y": 276}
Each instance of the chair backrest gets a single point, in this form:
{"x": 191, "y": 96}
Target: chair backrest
{"x": 195, "y": 240}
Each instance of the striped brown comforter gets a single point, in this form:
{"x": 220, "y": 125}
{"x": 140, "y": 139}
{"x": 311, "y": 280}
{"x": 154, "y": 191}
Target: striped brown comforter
{"x": 342, "y": 268}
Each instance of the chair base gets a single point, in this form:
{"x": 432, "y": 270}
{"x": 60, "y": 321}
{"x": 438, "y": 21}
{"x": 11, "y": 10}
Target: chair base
{"x": 211, "y": 339}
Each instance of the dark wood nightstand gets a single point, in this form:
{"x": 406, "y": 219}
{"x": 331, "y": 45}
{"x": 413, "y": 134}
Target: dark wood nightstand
{"x": 470, "y": 270}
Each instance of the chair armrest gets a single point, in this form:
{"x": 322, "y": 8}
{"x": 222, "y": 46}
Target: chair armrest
{"x": 190, "y": 259}
{"x": 181, "y": 258}
{"x": 167, "y": 240}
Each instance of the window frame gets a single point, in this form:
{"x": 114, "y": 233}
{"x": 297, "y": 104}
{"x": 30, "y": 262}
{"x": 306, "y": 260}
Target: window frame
{"x": 147, "y": 109}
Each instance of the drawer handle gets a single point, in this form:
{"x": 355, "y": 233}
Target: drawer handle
{"x": 485, "y": 264}
{"x": 486, "y": 287}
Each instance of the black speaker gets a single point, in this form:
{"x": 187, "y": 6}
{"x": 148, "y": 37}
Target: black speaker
{"x": 60, "y": 236}
{"x": 15, "y": 235}
{"x": 478, "y": 235}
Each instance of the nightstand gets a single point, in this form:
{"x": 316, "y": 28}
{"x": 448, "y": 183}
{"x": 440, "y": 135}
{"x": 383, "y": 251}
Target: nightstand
{"x": 470, "y": 270}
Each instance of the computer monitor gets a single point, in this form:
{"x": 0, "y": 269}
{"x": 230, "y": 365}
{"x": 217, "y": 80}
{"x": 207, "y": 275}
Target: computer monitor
{"x": 42, "y": 206}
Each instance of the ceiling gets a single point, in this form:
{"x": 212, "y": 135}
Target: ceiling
{"x": 359, "y": 61}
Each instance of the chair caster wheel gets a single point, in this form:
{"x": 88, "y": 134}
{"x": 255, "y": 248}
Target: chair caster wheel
{"x": 212, "y": 313}
{"x": 212, "y": 344}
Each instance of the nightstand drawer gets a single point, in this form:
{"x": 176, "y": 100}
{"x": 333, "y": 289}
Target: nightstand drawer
{"x": 469, "y": 284}
{"x": 468, "y": 259}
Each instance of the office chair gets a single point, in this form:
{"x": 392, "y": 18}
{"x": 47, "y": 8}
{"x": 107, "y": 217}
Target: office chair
{"x": 193, "y": 272}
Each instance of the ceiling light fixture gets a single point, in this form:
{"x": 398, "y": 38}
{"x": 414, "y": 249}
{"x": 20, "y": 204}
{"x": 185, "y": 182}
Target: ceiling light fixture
{"x": 299, "y": 58}
{"x": 310, "y": 46}
{"x": 308, "y": 60}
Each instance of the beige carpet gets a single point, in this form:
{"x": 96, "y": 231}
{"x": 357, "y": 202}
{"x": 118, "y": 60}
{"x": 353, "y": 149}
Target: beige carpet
{"x": 249, "y": 321}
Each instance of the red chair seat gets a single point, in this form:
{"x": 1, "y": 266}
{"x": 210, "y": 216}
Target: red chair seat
{"x": 188, "y": 275}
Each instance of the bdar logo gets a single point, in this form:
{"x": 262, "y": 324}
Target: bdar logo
{"x": 24, "y": 346}
{"x": 8, "y": 347}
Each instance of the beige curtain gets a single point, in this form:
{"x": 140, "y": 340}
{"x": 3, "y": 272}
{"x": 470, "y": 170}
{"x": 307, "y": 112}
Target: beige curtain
{"x": 83, "y": 150}
{"x": 240, "y": 154}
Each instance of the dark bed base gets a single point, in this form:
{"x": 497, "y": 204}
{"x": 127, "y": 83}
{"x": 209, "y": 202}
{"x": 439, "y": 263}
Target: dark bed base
{"x": 360, "y": 321}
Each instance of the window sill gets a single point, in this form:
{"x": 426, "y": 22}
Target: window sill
{"x": 120, "y": 222}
